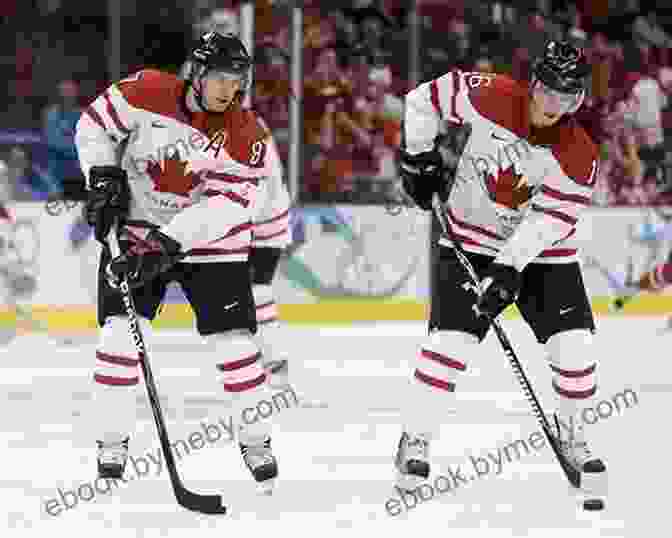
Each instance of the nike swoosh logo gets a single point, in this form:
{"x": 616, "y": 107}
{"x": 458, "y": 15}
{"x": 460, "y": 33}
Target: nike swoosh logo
{"x": 230, "y": 306}
{"x": 158, "y": 125}
{"x": 565, "y": 310}
{"x": 497, "y": 137}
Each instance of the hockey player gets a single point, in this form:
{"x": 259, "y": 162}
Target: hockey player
{"x": 270, "y": 236}
{"x": 180, "y": 162}
{"x": 525, "y": 175}
{"x": 655, "y": 280}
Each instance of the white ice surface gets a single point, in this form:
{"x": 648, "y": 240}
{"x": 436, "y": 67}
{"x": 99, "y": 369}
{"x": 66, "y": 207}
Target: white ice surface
{"x": 335, "y": 449}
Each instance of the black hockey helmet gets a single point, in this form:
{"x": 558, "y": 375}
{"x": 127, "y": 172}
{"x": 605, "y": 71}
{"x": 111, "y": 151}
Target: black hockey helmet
{"x": 223, "y": 52}
{"x": 562, "y": 67}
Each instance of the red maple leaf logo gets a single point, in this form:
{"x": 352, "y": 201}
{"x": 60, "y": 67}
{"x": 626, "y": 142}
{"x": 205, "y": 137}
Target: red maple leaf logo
{"x": 172, "y": 178}
{"x": 509, "y": 189}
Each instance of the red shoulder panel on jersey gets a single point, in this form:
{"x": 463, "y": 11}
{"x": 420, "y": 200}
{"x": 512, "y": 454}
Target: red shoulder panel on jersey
{"x": 154, "y": 91}
{"x": 500, "y": 99}
{"x": 246, "y": 139}
{"x": 577, "y": 154}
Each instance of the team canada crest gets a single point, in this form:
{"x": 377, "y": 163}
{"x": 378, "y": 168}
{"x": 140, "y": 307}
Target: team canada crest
{"x": 510, "y": 189}
{"x": 173, "y": 177}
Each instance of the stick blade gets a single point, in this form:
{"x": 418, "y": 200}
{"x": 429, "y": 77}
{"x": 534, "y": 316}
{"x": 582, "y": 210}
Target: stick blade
{"x": 205, "y": 504}
{"x": 572, "y": 473}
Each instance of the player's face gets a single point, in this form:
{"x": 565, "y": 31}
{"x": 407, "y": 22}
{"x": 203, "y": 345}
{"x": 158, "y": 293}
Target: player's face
{"x": 547, "y": 106}
{"x": 219, "y": 89}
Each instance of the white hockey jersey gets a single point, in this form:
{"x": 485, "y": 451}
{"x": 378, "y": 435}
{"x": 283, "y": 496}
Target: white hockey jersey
{"x": 519, "y": 191}
{"x": 195, "y": 175}
{"x": 271, "y": 224}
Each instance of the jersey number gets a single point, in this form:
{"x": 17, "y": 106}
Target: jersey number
{"x": 257, "y": 153}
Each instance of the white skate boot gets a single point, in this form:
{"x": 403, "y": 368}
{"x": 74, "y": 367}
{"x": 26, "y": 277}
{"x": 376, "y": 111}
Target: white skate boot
{"x": 112, "y": 459}
{"x": 262, "y": 464}
{"x": 593, "y": 471}
{"x": 412, "y": 461}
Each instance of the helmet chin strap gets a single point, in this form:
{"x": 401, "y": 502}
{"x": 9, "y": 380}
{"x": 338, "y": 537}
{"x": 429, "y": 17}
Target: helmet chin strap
{"x": 199, "y": 97}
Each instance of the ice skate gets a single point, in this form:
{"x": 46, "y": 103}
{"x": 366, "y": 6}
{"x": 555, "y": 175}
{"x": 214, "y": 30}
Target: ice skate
{"x": 592, "y": 469}
{"x": 262, "y": 464}
{"x": 112, "y": 459}
{"x": 412, "y": 461}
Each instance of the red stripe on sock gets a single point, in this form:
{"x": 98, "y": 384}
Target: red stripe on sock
{"x": 434, "y": 382}
{"x": 575, "y": 394}
{"x": 116, "y": 381}
{"x": 116, "y": 359}
{"x": 237, "y": 365}
{"x": 446, "y": 361}
{"x": 245, "y": 385}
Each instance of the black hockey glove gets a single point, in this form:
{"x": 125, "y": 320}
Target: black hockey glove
{"x": 108, "y": 199}
{"x": 500, "y": 286}
{"x": 145, "y": 260}
{"x": 422, "y": 176}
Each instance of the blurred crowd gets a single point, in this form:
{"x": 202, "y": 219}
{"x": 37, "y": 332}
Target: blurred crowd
{"x": 359, "y": 58}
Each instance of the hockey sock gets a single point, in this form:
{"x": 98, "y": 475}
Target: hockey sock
{"x": 116, "y": 377}
{"x": 431, "y": 391}
{"x": 573, "y": 369}
{"x": 243, "y": 377}
{"x": 269, "y": 335}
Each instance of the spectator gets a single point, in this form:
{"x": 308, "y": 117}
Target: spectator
{"x": 347, "y": 35}
{"x": 621, "y": 169}
{"x": 648, "y": 31}
{"x": 59, "y": 121}
{"x": 20, "y": 174}
{"x": 7, "y": 194}
{"x": 224, "y": 21}
{"x": 373, "y": 25}
{"x": 272, "y": 92}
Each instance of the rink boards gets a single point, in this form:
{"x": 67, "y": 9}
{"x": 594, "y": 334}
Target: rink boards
{"x": 350, "y": 263}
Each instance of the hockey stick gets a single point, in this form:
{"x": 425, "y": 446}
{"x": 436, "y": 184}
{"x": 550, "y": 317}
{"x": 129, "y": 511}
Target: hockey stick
{"x": 573, "y": 474}
{"x": 206, "y": 504}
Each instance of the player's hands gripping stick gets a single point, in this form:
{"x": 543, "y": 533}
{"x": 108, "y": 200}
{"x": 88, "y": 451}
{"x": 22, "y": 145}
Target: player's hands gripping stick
{"x": 422, "y": 176}
{"x": 499, "y": 288}
{"x": 145, "y": 260}
{"x": 108, "y": 199}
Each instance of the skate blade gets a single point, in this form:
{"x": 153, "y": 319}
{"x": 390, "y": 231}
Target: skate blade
{"x": 408, "y": 483}
{"x": 592, "y": 494}
{"x": 587, "y": 502}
